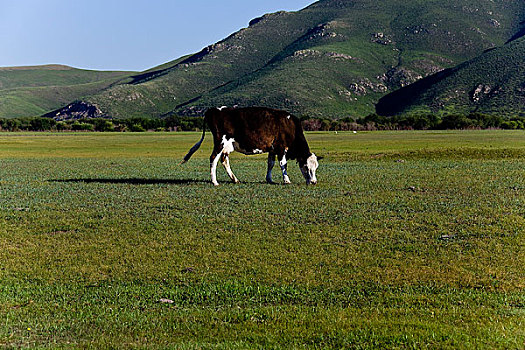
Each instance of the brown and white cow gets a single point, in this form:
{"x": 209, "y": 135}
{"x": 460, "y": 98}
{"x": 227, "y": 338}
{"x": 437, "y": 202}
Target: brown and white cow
{"x": 257, "y": 130}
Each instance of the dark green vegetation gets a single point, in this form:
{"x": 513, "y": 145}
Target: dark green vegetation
{"x": 335, "y": 58}
{"x": 172, "y": 123}
{"x": 491, "y": 83}
{"x": 33, "y": 91}
{"x": 371, "y": 122}
{"x": 421, "y": 121}
{"x": 410, "y": 240}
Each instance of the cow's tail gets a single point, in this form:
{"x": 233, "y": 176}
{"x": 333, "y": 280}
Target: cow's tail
{"x": 197, "y": 145}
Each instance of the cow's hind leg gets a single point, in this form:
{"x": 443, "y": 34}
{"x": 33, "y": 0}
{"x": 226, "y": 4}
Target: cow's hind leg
{"x": 214, "y": 159}
{"x": 271, "y": 163}
{"x": 226, "y": 164}
{"x": 226, "y": 147}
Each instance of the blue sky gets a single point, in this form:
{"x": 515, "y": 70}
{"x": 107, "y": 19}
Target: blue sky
{"x": 118, "y": 34}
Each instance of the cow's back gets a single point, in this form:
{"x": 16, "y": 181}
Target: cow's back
{"x": 252, "y": 128}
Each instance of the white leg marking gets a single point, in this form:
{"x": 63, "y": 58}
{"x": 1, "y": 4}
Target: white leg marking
{"x": 283, "y": 163}
{"x": 214, "y": 169}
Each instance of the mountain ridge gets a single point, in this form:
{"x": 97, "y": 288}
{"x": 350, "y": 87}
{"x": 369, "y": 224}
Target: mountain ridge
{"x": 331, "y": 41}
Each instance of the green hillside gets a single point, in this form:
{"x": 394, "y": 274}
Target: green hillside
{"x": 32, "y": 91}
{"x": 346, "y": 65}
{"x": 494, "y": 82}
{"x": 334, "y": 58}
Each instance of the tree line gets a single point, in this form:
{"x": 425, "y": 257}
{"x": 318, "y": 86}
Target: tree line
{"x": 172, "y": 123}
{"x": 416, "y": 122}
{"x": 180, "y": 123}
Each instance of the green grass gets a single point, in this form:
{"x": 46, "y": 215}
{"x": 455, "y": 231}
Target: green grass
{"x": 410, "y": 240}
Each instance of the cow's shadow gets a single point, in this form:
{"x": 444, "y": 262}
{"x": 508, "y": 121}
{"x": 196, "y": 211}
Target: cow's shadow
{"x": 132, "y": 181}
{"x": 139, "y": 181}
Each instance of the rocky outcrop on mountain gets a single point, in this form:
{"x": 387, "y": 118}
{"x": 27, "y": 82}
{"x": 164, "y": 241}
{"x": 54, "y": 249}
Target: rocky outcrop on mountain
{"x": 76, "y": 110}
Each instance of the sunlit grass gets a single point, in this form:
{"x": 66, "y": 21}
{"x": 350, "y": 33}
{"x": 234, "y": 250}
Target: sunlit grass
{"x": 403, "y": 243}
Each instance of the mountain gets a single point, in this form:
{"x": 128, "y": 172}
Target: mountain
{"x": 365, "y": 49}
{"x": 493, "y": 82}
{"x": 334, "y": 58}
{"x": 35, "y": 90}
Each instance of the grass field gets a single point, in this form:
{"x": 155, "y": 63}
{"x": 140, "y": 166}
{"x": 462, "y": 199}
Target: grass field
{"x": 410, "y": 240}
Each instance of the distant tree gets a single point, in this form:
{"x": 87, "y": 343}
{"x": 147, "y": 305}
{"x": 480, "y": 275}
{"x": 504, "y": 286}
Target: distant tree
{"x": 41, "y": 124}
{"x": 311, "y": 124}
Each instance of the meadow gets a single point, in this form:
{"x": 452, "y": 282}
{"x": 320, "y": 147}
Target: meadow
{"x": 410, "y": 240}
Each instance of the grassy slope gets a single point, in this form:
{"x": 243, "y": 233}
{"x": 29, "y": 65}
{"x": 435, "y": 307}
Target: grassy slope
{"x": 501, "y": 70}
{"x": 221, "y": 63}
{"x": 425, "y": 252}
{"x": 33, "y": 91}
{"x": 425, "y": 37}
{"x": 261, "y": 64}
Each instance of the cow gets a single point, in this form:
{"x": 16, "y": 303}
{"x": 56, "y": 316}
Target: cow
{"x": 257, "y": 130}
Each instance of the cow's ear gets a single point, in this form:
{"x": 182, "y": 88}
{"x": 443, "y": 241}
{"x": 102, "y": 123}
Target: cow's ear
{"x": 320, "y": 157}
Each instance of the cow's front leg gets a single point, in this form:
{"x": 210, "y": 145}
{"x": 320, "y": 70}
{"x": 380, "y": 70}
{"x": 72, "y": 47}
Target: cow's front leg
{"x": 284, "y": 164}
{"x": 226, "y": 164}
{"x": 271, "y": 163}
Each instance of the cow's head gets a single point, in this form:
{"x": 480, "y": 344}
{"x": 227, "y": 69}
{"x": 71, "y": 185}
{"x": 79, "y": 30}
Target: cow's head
{"x": 308, "y": 167}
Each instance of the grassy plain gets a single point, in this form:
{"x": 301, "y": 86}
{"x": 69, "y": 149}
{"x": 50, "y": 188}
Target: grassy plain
{"x": 410, "y": 240}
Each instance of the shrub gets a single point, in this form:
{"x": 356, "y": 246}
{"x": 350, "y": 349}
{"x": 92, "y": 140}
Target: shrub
{"x": 456, "y": 121}
{"x": 76, "y": 126}
{"x": 103, "y": 125}
{"x": 137, "y": 128}
{"x": 510, "y": 124}
{"x": 62, "y": 126}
